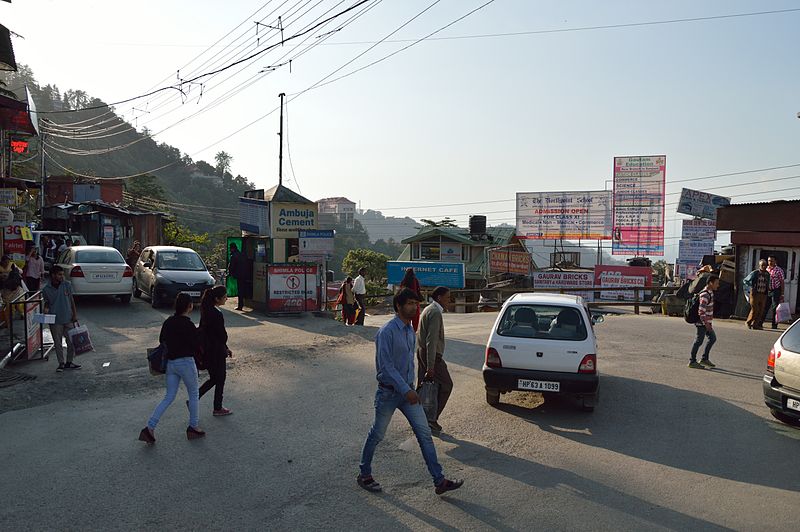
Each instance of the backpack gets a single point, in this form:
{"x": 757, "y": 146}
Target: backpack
{"x": 691, "y": 310}
{"x": 14, "y": 279}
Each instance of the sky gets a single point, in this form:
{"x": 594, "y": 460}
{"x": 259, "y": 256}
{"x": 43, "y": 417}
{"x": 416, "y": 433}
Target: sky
{"x": 465, "y": 122}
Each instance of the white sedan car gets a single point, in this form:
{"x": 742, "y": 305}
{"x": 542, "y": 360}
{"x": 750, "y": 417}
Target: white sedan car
{"x": 543, "y": 343}
{"x": 97, "y": 271}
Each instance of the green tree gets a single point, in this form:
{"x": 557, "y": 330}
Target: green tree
{"x": 660, "y": 274}
{"x": 223, "y": 160}
{"x": 146, "y": 186}
{"x": 176, "y": 234}
{"x": 374, "y": 262}
{"x": 444, "y": 222}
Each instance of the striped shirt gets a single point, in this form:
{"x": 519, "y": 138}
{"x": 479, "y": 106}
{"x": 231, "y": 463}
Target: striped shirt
{"x": 776, "y": 277}
{"x": 705, "y": 310}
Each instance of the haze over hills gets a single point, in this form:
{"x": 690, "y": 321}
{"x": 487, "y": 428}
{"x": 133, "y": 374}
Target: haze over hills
{"x": 380, "y": 227}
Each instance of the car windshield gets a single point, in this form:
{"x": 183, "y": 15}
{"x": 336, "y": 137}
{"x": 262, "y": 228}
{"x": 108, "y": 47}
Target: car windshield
{"x": 180, "y": 260}
{"x": 98, "y": 256}
{"x": 551, "y": 322}
{"x": 791, "y": 339}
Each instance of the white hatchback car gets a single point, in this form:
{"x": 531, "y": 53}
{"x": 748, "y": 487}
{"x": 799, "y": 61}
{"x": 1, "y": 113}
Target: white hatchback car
{"x": 781, "y": 383}
{"x": 543, "y": 343}
{"x": 97, "y": 270}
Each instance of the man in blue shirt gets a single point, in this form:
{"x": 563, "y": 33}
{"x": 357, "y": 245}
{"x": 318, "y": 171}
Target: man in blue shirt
{"x": 394, "y": 360}
{"x": 58, "y": 300}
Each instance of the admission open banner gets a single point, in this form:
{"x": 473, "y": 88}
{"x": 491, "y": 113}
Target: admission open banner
{"x": 564, "y": 215}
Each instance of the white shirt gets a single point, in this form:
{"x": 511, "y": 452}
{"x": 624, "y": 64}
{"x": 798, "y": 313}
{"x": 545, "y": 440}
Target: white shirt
{"x": 358, "y": 286}
{"x": 437, "y": 305}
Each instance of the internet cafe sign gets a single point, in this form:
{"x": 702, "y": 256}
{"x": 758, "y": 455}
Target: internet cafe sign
{"x": 288, "y": 219}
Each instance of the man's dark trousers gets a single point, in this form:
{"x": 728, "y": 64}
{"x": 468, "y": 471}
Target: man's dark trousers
{"x": 361, "y": 298}
{"x": 772, "y": 306}
{"x": 440, "y": 376}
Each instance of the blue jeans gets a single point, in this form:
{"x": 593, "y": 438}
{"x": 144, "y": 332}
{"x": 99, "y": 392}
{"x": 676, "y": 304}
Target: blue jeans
{"x": 180, "y": 369}
{"x": 386, "y": 402}
{"x": 701, "y": 335}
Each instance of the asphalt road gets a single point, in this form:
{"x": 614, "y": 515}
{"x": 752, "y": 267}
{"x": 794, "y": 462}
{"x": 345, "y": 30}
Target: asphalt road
{"x": 667, "y": 448}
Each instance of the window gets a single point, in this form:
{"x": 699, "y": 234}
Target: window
{"x": 465, "y": 253}
{"x": 430, "y": 250}
{"x": 99, "y": 256}
{"x": 542, "y": 321}
{"x": 180, "y": 260}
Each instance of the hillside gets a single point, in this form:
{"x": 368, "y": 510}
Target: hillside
{"x": 92, "y": 140}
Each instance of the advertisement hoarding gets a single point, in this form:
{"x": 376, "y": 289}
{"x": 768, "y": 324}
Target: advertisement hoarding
{"x": 288, "y": 219}
{"x": 684, "y": 270}
{"x": 564, "y": 215}
{"x": 451, "y": 275}
{"x": 699, "y": 230}
{"x": 638, "y": 212}
{"x": 254, "y": 216}
{"x": 566, "y": 280}
{"x": 505, "y": 261}
{"x": 34, "y": 339}
{"x": 693, "y": 251}
{"x": 701, "y": 204}
{"x": 292, "y": 288}
{"x": 622, "y": 277}
{"x": 316, "y": 244}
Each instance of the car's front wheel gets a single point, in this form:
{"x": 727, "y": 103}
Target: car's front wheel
{"x": 155, "y": 302}
{"x": 493, "y": 396}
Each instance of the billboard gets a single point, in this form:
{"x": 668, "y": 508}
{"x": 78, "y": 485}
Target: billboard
{"x": 568, "y": 215}
{"x": 505, "y": 261}
{"x": 292, "y": 288}
{"x": 449, "y": 274}
{"x": 288, "y": 219}
{"x": 622, "y": 277}
{"x": 566, "y": 280}
{"x": 699, "y": 230}
{"x": 254, "y": 216}
{"x": 701, "y": 204}
{"x": 693, "y": 251}
{"x": 638, "y": 212}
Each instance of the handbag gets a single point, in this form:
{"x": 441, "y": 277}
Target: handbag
{"x": 429, "y": 397}
{"x": 80, "y": 339}
{"x": 783, "y": 312}
{"x": 157, "y": 359}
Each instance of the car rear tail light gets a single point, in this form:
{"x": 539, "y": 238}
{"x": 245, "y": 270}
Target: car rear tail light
{"x": 771, "y": 360}
{"x": 76, "y": 272}
{"x": 128, "y": 272}
{"x": 493, "y": 358}
{"x": 588, "y": 364}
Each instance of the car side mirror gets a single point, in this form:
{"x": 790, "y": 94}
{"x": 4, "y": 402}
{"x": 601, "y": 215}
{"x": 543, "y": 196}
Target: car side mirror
{"x": 597, "y": 318}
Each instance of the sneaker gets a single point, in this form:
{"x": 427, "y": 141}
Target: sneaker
{"x": 448, "y": 485}
{"x": 70, "y": 365}
{"x": 369, "y": 484}
{"x": 707, "y": 363}
{"x": 193, "y": 433}
{"x": 147, "y": 436}
{"x": 60, "y": 368}
{"x": 435, "y": 427}
{"x": 695, "y": 365}
{"x": 223, "y": 412}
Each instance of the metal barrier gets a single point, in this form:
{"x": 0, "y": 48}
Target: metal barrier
{"x": 33, "y": 345}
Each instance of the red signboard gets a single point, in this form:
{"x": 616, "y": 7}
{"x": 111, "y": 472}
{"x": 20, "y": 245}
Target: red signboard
{"x": 293, "y": 288}
{"x": 622, "y": 277}
{"x": 504, "y": 261}
{"x": 19, "y": 146}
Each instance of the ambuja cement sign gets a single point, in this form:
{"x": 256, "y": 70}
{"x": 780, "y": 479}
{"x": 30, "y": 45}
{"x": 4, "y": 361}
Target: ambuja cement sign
{"x": 288, "y": 219}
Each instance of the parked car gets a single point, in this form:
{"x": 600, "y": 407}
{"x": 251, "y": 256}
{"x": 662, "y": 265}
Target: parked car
{"x": 97, "y": 270}
{"x": 781, "y": 382}
{"x": 163, "y": 271}
{"x": 543, "y": 343}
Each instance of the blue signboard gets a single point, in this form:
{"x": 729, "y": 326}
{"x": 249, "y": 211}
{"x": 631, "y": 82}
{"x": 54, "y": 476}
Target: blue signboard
{"x": 317, "y": 233}
{"x": 449, "y": 274}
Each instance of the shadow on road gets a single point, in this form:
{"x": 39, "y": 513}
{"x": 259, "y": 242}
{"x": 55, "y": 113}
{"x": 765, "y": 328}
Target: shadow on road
{"x": 673, "y": 427}
{"x": 544, "y": 477}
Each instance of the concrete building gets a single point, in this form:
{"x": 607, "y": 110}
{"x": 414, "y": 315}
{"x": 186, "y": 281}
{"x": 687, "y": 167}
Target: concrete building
{"x": 334, "y": 211}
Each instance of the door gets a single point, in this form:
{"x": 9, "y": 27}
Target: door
{"x": 787, "y": 259}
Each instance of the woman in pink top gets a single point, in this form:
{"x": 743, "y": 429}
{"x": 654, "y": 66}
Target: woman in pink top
{"x": 34, "y": 269}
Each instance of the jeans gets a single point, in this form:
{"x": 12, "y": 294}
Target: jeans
{"x": 702, "y": 332}
{"x": 58, "y": 331}
{"x": 386, "y": 402}
{"x": 773, "y": 300}
{"x": 217, "y": 371}
{"x": 180, "y": 369}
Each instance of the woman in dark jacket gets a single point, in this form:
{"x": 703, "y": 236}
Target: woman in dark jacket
{"x": 180, "y": 336}
{"x": 215, "y": 344}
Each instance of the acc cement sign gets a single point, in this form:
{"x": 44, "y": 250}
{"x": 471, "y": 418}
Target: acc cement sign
{"x": 449, "y": 274}
{"x": 564, "y": 215}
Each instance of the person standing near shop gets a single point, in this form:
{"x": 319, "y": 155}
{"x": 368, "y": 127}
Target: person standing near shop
{"x": 182, "y": 341}
{"x": 215, "y": 345}
{"x": 34, "y": 269}
{"x": 360, "y": 291}
{"x": 705, "y": 311}
{"x": 132, "y": 256}
{"x": 236, "y": 269}
{"x": 348, "y": 300}
{"x": 394, "y": 361}
{"x": 776, "y": 288}
{"x": 58, "y": 300}
{"x": 430, "y": 351}
{"x": 757, "y": 286}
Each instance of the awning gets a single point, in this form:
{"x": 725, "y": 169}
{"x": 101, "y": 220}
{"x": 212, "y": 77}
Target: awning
{"x": 7, "y": 61}
{"x": 15, "y": 117}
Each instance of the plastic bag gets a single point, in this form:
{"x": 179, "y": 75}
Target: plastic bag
{"x": 80, "y": 340}
{"x": 783, "y": 313}
{"x": 428, "y": 396}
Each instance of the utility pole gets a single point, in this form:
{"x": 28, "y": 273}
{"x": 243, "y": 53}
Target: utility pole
{"x": 280, "y": 147}
{"x": 43, "y": 170}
